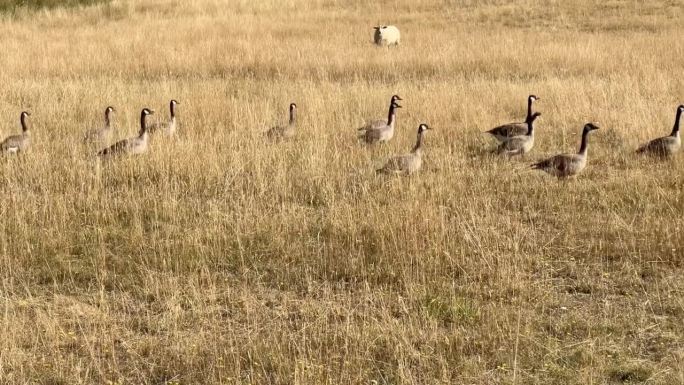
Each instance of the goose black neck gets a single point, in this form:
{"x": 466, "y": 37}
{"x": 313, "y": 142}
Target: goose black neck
{"x": 675, "y": 128}
{"x": 529, "y": 107}
{"x": 390, "y": 114}
{"x": 24, "y": 123}
{"x": 107, "y": 118}
{"x": 585, "y": 142}
{"x": 143, "y": 123}
{"x": 293, "y": 115}
{"x": 419, "y": 142}
{"x": 530, "y": 126}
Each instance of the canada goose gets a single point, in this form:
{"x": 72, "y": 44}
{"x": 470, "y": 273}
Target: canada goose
{"x": 566, "y": 165}
{"x": 135, "y": 145}
{"x": 20, "y": 142}
{"x": 380, "y": 122}
{"x": 667, "y": 145}
{"x": 502, "y": 133}
{"x": 169, "y": 128}
{"x": 101, "y": 135}
{"x": 382, "y": 132}
{"x": 408, "y": 163}
{"x": 521, "y": 144}
{"x": 285, "y": 131}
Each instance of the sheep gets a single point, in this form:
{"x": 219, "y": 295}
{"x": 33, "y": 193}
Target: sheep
{"x": 386, "y": 35}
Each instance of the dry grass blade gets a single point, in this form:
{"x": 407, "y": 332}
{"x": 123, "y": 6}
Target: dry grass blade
{"x": 220, "y": 257}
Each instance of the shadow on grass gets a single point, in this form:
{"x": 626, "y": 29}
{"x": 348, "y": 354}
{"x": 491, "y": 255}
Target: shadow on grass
{"x": 10, "y": 6}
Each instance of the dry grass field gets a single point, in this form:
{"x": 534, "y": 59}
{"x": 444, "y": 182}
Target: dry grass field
{"x": 223, "y": 258}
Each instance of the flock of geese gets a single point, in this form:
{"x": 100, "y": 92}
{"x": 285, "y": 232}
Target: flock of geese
{"x": 518, "y": 139}
{"x": 514, "y": 139}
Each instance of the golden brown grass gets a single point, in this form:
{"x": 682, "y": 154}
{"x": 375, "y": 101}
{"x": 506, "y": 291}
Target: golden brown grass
{"x": 220, "y": 258}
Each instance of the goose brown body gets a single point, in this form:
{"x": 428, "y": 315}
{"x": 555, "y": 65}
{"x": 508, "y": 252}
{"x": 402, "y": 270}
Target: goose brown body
{"x": 380, "y": 123}
{"x": 377, "y": 132}
{"x": 567, "y": 165}
{"x": 521, "y": 144}
{"x": 286, "y": 131}
{"x": 103, "y": 134}
{"x": 170, "y": 127}
{"x": 504, "y": 132}
{"x": 131, "y": 146}
{"x": 667, "y": 145}
{"x": 407, "y": 163}
{"x": 18, "y": 143}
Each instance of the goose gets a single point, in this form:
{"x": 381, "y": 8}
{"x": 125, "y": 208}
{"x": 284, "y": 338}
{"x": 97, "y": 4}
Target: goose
{"x": 167, "y": 127}
{"x": 566, "y": 165}
{"x": 382, "y": 132}
{"x": 667, "y": 145}
{"x": 135, "y": 145}
{"x": 18, "y": 143}
{"x": 287, "y": 131}
{"x": 408, "y": 163}
{"x": 521, "y": 144}
{"x": 502, "y": 133}
{"x": 101, "y": 135}
{"x": 380, "y": 122}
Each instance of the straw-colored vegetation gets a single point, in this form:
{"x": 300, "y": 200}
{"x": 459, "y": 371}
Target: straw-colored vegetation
{"x": 222, "y": 258}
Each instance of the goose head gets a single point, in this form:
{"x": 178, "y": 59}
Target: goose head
{"x": 590, "y": 127}
{"x": 680, "y": 109}
{"x": 24, "y": 114}
{"x": 146, "y": 112}
{"x": 423, "y": 127}
{"x": 395, "y": 98}
{"x": 533, "y": 98}
{"x": 533, "y": 117}
{"x": 143, "y": 120}
{"x": 293, "y": 106}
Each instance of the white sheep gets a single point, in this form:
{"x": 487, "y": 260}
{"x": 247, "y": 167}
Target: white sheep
{"x": 386, "y": 35}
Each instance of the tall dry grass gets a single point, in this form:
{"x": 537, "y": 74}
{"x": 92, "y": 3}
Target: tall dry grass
{"x": 222, "y": 258}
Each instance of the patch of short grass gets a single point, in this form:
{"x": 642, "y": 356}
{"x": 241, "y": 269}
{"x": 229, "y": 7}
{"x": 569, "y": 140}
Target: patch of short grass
{"x": 630, "y": 374}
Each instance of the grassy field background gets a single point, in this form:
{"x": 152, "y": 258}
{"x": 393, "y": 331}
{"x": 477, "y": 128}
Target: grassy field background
{"x": 220, "y": 257}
